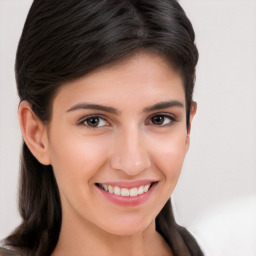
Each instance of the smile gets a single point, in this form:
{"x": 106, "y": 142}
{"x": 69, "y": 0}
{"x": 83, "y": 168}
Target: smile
{"x": 125, "y": 192}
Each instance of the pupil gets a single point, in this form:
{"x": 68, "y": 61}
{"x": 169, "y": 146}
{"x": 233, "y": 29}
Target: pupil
{"x": 158, "y": 120}
{"x": 93, "y": 121}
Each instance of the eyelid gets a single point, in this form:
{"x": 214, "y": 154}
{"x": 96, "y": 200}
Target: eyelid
{"x": 172, "y": 117}
{"x": 82, "y": 120}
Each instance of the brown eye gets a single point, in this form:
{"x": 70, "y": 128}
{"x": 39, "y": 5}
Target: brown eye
{"x": 161, "y": 120}
{"x": 157, "y": 120}
{"x": 94, "y": 121}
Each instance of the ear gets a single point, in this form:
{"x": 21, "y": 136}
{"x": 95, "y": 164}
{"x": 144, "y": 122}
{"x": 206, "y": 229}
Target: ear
{"x": 34, "y": 133}
{"x": 191, "y": 116}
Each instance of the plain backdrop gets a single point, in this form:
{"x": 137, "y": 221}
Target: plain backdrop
{"x": 220, "y": 167}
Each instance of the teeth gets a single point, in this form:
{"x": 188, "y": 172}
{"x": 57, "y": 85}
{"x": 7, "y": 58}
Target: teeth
{"x": 140, "y": 190}
{"x": 125, "y": 191}
{"x": 110, "y": 189}
{"x": 146, "y": 188}
{"x": 117, "y": 191}
{"x": 133, "y": 192}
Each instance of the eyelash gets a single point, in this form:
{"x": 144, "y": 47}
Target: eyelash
{"x": 86, "y": 119}
{"x": 164, "y": 115}
{"x": 99, "y": 117}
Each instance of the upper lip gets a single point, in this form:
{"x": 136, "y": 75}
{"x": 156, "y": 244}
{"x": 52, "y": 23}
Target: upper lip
{"x": 128, "y": 184}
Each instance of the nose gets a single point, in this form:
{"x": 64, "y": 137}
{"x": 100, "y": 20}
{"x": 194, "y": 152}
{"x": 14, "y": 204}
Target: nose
{"x": 130, "y": 153}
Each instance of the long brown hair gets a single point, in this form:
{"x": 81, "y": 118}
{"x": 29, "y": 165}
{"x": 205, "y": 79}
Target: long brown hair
{"x": 64, "y": 40}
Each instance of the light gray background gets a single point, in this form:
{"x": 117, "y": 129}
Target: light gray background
{"x": 221, "y": 164}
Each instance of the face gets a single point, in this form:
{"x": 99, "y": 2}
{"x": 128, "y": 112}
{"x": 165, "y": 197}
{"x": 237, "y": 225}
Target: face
{"x": 117, "y": 140}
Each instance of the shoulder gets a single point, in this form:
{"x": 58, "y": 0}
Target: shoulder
{"x": 8, "y": 252}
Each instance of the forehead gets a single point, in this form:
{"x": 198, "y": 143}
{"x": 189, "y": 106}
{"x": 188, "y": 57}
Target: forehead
{"x": 144, "y": 78}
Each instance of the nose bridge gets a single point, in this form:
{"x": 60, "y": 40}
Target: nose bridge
{"x": 130, "y": 154}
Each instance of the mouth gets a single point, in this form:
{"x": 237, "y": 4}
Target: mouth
{"x": 126, "y": 192}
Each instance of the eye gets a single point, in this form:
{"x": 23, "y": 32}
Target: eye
{"x": 162, "y": 120}
{"x": 94, "y": 121}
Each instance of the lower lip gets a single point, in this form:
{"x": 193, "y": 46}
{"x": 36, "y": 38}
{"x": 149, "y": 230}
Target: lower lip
{"x": 128, "y": 200}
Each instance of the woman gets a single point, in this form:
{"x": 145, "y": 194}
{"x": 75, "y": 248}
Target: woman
{"x": 106, "y": 109}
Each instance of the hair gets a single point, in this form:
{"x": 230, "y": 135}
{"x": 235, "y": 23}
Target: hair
{"x": 64, "y": 40}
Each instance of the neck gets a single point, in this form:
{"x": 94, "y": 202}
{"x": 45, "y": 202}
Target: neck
{"x": 83, "y": 238}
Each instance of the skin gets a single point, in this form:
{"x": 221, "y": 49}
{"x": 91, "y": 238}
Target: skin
{"x": 125, "y": 146}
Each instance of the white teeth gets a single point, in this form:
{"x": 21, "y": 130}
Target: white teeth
{"x": 140, "y": 190}
{"x": 133, "y": 192}
{"x": 117, "y": 191}
{"x": 110, "y": 189}
{"x": 125, "y": 191}
{"x": 146, "y": 188}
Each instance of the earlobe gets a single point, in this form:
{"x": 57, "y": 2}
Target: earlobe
{"x": 34, "y": 133}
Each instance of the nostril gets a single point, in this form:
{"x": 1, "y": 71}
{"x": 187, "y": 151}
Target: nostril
{"x": 129, "y": 165}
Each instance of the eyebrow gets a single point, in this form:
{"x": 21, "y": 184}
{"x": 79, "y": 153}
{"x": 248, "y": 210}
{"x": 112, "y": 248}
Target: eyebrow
{"x": 164, "y": 104}
{"x": 112, "y": 110}
{"x": 96, "y": 107}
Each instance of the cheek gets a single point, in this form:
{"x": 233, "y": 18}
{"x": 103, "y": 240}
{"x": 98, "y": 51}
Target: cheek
{"x": 76, "y": 159}
{"x": 169, "y": 156}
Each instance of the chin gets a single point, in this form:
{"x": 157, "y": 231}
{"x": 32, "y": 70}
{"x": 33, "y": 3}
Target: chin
{"x": 129, "y": 227}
